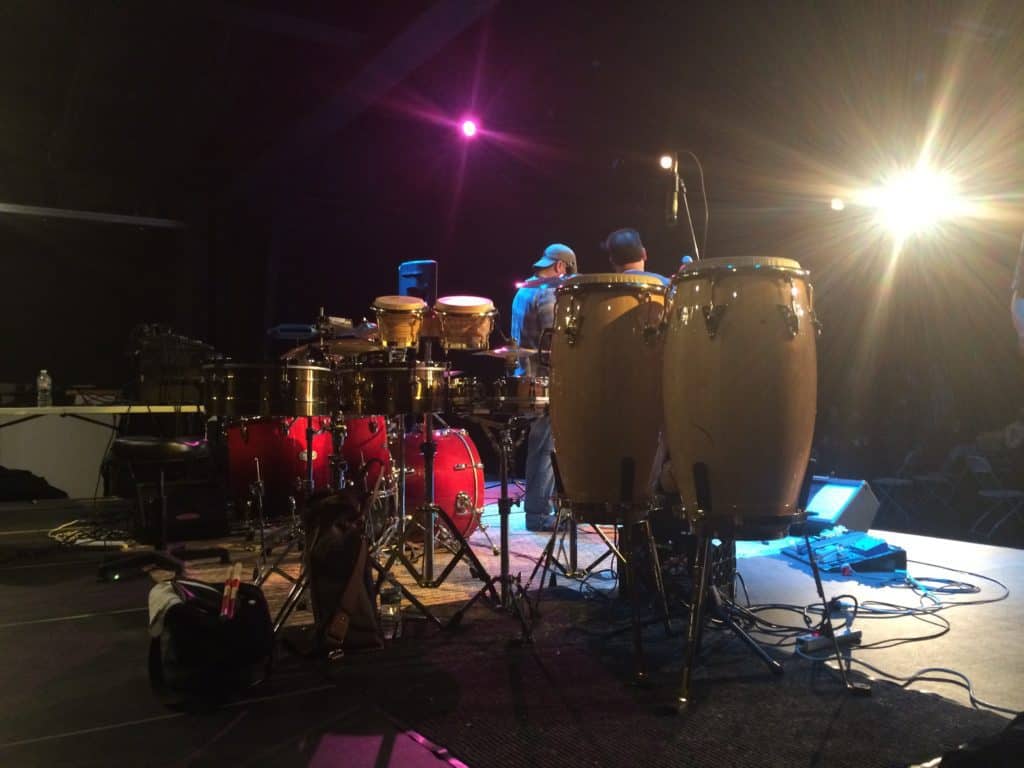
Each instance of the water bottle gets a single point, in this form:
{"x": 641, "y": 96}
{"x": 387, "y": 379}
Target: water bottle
{"x": 391, "y": 613}
{"x": 44, "y": 389}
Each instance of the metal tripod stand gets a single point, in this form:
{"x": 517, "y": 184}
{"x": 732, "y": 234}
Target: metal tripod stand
{"x": 512, "y": 595}
{"x": 707, "y": 600}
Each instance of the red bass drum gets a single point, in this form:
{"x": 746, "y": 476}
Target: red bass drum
{"x": 280, "y": 445}
{"x": 458, "y": 476}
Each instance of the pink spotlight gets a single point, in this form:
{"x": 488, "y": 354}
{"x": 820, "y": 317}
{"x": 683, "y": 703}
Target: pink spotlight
{"x": 469, "y": 128}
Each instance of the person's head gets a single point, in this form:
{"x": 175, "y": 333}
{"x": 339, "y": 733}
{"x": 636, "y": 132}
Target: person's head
{"x": 558, "y": 260}
{"x": 625, "y": 250}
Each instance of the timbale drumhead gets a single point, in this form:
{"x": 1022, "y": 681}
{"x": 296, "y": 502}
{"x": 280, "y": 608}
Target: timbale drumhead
{"x": 740, "y": 388}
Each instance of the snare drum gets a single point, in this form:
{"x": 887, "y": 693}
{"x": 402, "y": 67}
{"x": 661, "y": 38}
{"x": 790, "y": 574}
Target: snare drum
{"x": 740, "y": 389}
{"x": 465, "y": 322}
{"x": 606, "y": 392}
{"x": 399, "y": 319}
{"x": 237, "y": 390}
{"x": 521, "y": 395}
{"x": 458, "y": 476}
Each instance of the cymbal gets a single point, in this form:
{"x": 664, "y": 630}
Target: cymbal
{"x": 333, "y": 348}
{"x": 507, "y": 352}
{"x": 452, "y": 374}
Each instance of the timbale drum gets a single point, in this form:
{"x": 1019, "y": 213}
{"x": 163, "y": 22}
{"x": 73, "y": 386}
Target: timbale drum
{"x": 605, "y": 392}
{"x": 236, "y": 390}
{"x": 740, "y": 389}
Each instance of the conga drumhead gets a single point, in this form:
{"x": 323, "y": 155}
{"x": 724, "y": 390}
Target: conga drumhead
{"x": 740, "y": 389}
{"x": 399, "y": 304}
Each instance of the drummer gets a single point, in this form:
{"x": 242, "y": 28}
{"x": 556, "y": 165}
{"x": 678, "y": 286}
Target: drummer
{"x": 533, "y": 311}
{"x": 627, "y": 253}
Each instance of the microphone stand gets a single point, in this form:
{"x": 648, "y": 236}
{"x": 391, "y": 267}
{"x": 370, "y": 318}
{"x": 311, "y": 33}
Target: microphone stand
{"x": 681, "y": 185}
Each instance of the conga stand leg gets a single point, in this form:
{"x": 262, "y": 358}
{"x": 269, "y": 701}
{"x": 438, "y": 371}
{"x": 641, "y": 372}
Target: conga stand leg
{"x": 706, "y": 596}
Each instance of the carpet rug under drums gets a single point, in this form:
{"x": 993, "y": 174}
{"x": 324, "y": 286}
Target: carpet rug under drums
{"x": 567, "y": 701}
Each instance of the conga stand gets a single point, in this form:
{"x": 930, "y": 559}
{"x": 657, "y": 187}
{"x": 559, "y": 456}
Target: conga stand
{"x": 707, "y": 600}
{"x": 512, "y": 597}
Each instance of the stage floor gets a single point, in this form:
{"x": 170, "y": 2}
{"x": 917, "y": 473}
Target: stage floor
{"x": 76, "y": 692}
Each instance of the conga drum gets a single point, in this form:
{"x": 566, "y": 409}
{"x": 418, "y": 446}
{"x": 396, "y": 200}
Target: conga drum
{"x": 465, "y": 322}
{"x": 399, "y": 319}
{"x": 605, "y": 392}
{"x": 740, "y": 389}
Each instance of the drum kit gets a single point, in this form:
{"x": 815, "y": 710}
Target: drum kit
{"x": 360, "y": 405}
{"x": 719, "y": 367}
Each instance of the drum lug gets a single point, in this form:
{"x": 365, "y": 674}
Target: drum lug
{"x": 816, "y": 323}
{"x": 463, "y": 504}
{"x": 573, "y": 321}
{"x": 791, "y": 318}
{"x": 713, "y": 314}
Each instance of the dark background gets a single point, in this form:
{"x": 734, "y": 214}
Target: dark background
{"x": 307, "y": 148}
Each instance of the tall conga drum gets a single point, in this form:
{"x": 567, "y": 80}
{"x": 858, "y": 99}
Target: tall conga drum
{"x": 605, "y": 392}
{"x": 740, "y": 389}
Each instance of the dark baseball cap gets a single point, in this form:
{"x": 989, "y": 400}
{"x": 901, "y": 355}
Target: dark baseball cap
{"x": 557, "y": 252}
{"x": 624, "y": 246}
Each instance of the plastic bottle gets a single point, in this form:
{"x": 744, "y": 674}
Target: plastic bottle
{"x": 391, "y": 613}
{"x": 44, "y": 389}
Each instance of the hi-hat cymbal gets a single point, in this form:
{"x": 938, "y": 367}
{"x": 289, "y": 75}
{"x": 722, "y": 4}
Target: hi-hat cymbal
{"x": 507, "y": 352}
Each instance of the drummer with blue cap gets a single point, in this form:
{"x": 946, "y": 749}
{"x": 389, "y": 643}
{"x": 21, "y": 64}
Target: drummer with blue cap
{"x": 533, "y": 311}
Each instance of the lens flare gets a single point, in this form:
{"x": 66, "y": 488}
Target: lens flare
{"x": 912, "y": 202}
{"x": 469, "y": 128}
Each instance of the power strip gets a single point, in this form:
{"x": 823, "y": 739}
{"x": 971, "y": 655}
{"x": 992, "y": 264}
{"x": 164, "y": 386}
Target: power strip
{"x": 816, "y": 642}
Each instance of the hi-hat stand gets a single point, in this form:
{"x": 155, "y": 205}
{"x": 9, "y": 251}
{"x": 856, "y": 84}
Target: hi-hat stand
{"x": 512, "y": 596}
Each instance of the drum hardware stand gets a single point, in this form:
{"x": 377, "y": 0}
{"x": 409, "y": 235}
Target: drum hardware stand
{"x": 513, "y": 596}
{"x": 261, "y": 571}
{"x": 859, "y": 689}
{"x": 625, "y": 555}
{"x": 706, "y": 597}
{"x": 433, "y": 514}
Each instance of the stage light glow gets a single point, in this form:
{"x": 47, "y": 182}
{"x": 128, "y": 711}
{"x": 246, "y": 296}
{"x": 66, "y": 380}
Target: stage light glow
{"x": 911, "y": 202}
{"x": 838, "y": 204}
{"x": 666, "y": 162}
{"x": 469, "y": 128}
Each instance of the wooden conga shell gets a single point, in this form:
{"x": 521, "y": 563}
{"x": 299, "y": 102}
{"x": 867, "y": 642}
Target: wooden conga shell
{"x": 605, "y": 390}
{"x": 740, "y": 389}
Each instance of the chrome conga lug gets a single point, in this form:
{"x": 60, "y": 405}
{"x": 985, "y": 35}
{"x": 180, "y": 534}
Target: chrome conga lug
{"x": 713, "y": 314}
{"x": 791, "y": 318}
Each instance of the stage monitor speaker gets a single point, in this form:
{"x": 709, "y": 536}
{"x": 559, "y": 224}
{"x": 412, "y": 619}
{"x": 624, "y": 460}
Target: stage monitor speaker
{"x": 835, "y": 501}
{"x": 418, "y": 278}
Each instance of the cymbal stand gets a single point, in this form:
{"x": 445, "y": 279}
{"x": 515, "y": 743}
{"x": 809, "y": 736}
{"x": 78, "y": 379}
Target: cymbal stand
{"x": 706, "y": 597}
{"x": 262, "y": 571}
{"x": 513, "y": 597}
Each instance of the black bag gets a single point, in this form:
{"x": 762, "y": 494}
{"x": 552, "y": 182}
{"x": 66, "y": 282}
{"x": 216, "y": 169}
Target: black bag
{"x": 200, "y": 653}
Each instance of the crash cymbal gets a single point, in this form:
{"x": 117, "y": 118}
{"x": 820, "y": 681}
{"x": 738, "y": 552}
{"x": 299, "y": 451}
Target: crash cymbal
{"x": 507, "y": 352}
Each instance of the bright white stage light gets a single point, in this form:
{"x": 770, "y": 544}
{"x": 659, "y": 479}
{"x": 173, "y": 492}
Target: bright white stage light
{"x": 666, "y": 162}
{"x": 911, "y": 202}
{"x": 469, "y": 128}
{"x": 837, "y": 204}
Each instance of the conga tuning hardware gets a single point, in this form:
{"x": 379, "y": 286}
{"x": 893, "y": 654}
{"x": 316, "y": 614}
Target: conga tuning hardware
{"x": 713, "y": 314}
{"x": 791, "y": 318}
